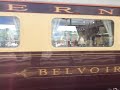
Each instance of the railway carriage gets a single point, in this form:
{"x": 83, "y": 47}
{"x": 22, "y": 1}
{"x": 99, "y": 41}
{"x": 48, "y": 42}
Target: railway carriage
{"x": 46, "y": 45}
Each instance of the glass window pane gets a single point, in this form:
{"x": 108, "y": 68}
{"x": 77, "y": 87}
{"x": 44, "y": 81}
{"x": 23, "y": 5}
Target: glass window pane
{"x": 9, "y": 31}
{"x": 77, "y": 32}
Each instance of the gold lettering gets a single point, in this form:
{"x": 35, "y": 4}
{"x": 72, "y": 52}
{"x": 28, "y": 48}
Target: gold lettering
{"x": 107, "y": 69}
{"x": 56, "y": 71}
{"x": 17, "y": 7}
{"x": 103, "y": 11}
{"x": 94, "y": 70}
{"x": 43, "y": 71}
{"x": 65, "y": 9}
{"x": 117, "y": 69}
{"x": 67, "y": 71}
{"x": 81, "y": 70}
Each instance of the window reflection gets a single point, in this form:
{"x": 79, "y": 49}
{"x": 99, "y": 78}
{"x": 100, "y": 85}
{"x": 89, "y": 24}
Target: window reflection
{"x": 9, "y": 31}
{"x": 67, "y": 32}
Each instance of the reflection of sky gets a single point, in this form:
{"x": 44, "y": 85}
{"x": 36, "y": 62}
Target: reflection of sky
{"x": 10, "y": 27}
{"x": 6, "y": 20}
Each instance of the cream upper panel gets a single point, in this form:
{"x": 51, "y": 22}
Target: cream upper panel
{"x": 36, "y": 32}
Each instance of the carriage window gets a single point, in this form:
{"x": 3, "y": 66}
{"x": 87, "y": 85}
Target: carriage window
{"x": 67, "y": 32}
{"x": 9, "y": 31}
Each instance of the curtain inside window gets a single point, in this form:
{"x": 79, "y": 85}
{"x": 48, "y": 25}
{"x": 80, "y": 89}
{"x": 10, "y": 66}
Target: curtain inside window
{"x": 108, "y": 26}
